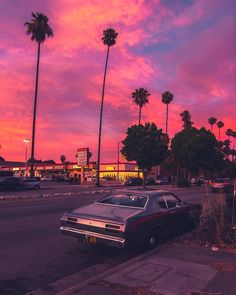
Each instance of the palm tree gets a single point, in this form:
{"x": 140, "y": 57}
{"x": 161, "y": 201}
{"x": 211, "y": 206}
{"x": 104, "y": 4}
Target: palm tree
{"x": 228, "y": 132}
{"x": 167, "y": 98}
{"x": 212, "y": 121}
{"x": 140, "y": 98}
{"x": 233, "y": 134}
{"x": 39, "y": 29}
{"x": 63, "y": 159}
{"x": 220, "y": 124}
{"x": 109, "y": 39}
{"x": 186, "y": 118}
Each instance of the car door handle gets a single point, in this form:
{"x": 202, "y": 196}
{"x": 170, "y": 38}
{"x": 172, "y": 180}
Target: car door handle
{"x": 173, "y": 211}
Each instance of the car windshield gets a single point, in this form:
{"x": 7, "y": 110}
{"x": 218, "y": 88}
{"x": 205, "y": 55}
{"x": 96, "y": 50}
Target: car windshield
{"x": 128, "y": 200}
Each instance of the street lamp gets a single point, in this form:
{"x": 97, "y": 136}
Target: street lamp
{"x": 26, "y": 141}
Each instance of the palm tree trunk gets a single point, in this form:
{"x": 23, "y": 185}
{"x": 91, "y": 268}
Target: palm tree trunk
{"x": 34, "y": 114}
{"x": 100, "y": 125}
{"x": 139, "y": 116}
{"x": 167, "y": 118}
{"x": 219, "y": 134}
{"x": 211, "y": 128}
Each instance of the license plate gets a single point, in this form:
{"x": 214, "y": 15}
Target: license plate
{"x": 91, "y": 240}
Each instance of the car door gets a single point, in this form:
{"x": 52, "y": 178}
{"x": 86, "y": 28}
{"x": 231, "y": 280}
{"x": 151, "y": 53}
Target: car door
{"x": 178, "y": 211}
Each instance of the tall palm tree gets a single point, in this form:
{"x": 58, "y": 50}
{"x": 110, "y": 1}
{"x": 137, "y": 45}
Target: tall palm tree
{"x": 228, "y": 132}
{"x": 167, "y": 98}
{"x": 63, "y": 159}
{"x": 220, "y": 125}
{"x": 212, "y": 121}
{"x": 108, "y": 39}
{"x": 39, "y": 29}
{"x": 186, "y": 118}
{"x": 140, "y": 98}
{"x": 233, "y": 134}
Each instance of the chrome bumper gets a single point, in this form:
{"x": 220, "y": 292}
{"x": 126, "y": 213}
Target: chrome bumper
{"x": 66, "y": 229}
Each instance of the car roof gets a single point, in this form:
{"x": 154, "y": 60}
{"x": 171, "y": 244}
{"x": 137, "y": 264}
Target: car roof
{"x": 142, "y": 192}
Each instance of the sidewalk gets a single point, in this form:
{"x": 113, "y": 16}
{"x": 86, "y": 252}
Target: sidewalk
{"x": 175, "y": 268}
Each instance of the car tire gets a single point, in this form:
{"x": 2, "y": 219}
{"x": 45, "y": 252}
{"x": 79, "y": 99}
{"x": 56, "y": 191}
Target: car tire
{"x": 155, "y": 238}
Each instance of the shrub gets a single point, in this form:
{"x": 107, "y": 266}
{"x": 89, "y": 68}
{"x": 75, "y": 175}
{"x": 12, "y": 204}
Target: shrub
{"x": 215, "y": 222}
{"x": 183, "y": 183}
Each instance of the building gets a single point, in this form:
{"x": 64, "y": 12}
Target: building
{"x": 119, "y": 171}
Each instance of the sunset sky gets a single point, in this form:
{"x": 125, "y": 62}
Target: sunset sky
{"x": 187, "y": 47}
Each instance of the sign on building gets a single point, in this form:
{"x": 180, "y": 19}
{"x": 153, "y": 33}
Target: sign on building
{"x": 82, "y": 156}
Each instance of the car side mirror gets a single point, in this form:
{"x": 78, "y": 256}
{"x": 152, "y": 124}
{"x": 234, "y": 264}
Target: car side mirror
{"x": 179, "y": 204}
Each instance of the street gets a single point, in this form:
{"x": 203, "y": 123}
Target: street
{"x": 35, "y": 254}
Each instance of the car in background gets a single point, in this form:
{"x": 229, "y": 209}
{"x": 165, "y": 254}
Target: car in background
{"x": 131, "y": 217}
{"x": 220, "y": 185}
{"x": 46, "y": 178}
{"x": 150, "y": 181}
{"x": 162, "y": 180}
{"x": 18, "y": 183}
{"x": 91, "y": 178}
{"x": 133, "y": 181}
{"x": 30, "y": 183}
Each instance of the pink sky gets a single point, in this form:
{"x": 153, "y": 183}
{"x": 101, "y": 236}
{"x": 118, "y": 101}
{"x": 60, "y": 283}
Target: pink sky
{"x": 187, "y": 47}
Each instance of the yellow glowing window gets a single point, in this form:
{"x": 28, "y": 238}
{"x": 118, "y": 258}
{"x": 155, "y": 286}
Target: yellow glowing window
{"x": 110, "y": 168}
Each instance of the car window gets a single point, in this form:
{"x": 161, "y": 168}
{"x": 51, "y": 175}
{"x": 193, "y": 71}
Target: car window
{"x": 161, "y": 202}
{"x": 171, "y": 201}
{"x": 128, "y": 200}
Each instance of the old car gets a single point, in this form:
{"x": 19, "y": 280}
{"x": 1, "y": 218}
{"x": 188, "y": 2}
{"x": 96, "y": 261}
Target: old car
{"x": 130, "y": 217}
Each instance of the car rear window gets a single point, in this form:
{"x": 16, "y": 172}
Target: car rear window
{"x": 128, "y": 200}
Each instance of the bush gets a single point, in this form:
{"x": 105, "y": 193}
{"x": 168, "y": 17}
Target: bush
{"x": 183, "y": 183}
{"x": 215, "y": 222}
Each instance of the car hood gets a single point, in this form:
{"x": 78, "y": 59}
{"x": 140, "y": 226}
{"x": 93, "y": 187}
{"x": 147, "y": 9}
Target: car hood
{"x": 104, "y": 212}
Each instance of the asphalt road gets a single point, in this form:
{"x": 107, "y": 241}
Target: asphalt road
{"x": 33, "y": 253}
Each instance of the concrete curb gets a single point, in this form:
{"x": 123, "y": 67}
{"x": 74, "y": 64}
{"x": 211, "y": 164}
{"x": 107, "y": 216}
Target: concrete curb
{"x": 41, "y": 196}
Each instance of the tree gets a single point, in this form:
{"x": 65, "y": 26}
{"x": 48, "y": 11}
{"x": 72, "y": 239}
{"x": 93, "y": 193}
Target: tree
{"x": 212, "y": 121}
{"x": 228, "y": 132}
{"x": 145, "y": 144}
{"x": 140, "y": 98}
{"x": 167, "y": 98}
{"x": 34, "y": 161}
{"x": 39, "y": 29}
{"x": 196, "y": 150}
{"x": 109, "y": 39}
{"x": 63, "y": 159}
{"x": 220, "y": 125}
{"x": 49, "y": 162}
{"x": 2, "y": 159}
{"x": 233, "y": 134}
{"x": 186, "y": 118}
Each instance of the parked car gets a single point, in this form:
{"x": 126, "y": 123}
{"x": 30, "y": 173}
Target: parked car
{"x": 220, "y": 184}
{"x": 91, "y": 178}
{"x": 162, "y": 180}
{"x": 133, "y": 181}
{"x": 46, "y": 178}
{"x": 150, "y": 181}
{"x": 18, "y": 183}
{"x": 130, "y": 217}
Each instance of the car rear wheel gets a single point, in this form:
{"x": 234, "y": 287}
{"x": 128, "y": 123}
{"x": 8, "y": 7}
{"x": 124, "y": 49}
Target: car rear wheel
{"x": 154, "y": 239}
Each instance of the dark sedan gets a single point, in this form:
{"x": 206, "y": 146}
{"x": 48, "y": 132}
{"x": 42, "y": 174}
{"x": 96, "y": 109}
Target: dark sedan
{"x": 130, "y": 217}
{"x": 18, "y": 183}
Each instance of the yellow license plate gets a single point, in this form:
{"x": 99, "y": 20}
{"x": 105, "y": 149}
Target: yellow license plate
{"x": 91, "y": 240}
